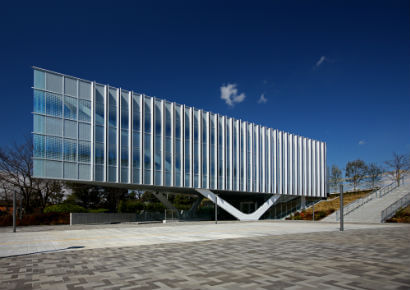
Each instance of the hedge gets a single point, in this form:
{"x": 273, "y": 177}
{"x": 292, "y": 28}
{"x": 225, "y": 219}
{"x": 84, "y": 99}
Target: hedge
{"x": 64, "y": 208}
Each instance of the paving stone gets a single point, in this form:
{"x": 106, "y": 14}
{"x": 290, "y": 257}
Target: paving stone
{"x": 356, "y": 259}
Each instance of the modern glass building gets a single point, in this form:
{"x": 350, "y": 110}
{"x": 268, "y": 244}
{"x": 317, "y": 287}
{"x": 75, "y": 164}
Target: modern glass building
{"x": 89, "y": 132}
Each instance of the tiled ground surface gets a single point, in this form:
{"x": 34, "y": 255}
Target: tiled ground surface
{"x": 130, "y": 235}
{"x": 355, "y": 259}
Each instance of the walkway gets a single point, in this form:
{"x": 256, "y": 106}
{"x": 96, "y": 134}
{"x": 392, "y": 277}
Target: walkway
{"x": 129, "y": 235}
{"x": 376, "y": 258}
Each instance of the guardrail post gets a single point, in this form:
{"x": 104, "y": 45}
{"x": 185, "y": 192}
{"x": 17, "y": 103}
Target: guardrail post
{"x": 341, "y": 208}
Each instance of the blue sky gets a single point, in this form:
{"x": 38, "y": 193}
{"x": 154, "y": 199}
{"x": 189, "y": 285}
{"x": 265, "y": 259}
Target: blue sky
{"x": 337, "y": 71}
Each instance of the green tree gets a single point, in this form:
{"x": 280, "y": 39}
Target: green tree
{"x": 85, "y": 195}
{"x": 112, "y": 197}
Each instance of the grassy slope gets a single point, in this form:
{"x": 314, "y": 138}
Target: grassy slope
{"x": 402, "y": 216}
{"x": 326, "y": 207}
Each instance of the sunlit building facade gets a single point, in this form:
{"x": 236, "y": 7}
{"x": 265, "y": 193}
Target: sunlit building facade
{"x": 86, "y": 131}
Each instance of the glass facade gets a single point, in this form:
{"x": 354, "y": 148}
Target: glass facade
{"x": 93, "y": 132}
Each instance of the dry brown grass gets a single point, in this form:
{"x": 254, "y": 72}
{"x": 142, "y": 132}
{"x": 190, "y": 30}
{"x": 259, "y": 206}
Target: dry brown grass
{"x": 333, "y": 202}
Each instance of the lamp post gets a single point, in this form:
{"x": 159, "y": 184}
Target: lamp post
{"x": 341, "y": 208}
{"x": 216, "y": 208}
{"x": 14, "y": 211}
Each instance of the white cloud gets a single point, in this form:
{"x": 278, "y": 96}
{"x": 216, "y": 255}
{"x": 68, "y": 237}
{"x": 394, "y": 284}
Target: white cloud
{"x": 229, "y": 93}
{"x": 362, "y": 142}
{"x": 262, "y": 99}
{"x": 321, "y": 60}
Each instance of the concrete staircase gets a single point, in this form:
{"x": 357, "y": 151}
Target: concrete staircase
{"x": 370, "y": 212}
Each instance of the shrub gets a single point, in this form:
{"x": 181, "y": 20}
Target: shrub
{"x": 98, "y": 210}
{"x": 52, "y": 218}
{"x": 131, "y": 206}
{"x": 64, "y": 208}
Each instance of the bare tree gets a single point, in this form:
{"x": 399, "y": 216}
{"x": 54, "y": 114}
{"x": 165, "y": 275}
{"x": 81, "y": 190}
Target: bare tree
{"x": 6, "y": 193}
{"x": 356, "y": 171}
{"x": 374, "y": 174}
{"x": 16, "y": 167}
{"x": 399, "y": 166}
{"x": 335, "y": 177}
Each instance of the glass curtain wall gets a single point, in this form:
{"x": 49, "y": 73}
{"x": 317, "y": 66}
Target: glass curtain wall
{"x": 147, "y": 140}
{"x": 196, "y": 148}
{"x": 168, "y": 144}
{"x": 212, "y": 151}
{"x": 178, "y": 145}
{"x": 87, "y": 131}
{"x": 158, "y": 143}
{"x": 112, "y": 134}
{"x": 136, "y": 138}
{"x": 204, "y": 150}
{"x": 187, "y": 147}
{"x": 99, "y": 133}
{"x": 124, "y": 136}
{"x": 61, "y": 127}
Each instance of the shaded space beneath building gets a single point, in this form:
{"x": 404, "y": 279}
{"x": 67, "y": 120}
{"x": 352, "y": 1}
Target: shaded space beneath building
{"x": 374, "y": 258}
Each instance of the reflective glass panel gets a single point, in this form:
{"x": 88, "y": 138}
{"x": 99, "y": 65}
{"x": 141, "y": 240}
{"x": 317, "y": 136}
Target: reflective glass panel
{"x": 99, "y": 114}
{"x": 84, "y": 90}
{"x": 136, "y": 112}
{"x": 39, "y": 102}
{"x": 70, "y": 86}
{"x": 84, "y": 110}
{"x": 54, "y": 105}
{"x": 39, "y": 124}
{"x": 54, "y": 148}
{"x": 54, "y": 82}
{"x": 168, "y": 124}
{"x": 84, "y": 151}
{"x": 113, "y": 116}
{"x": 112, "y": 95}
{"x": 70, "y": 150}
{"x": 99, "y": 94}
{"x": 39, "y": 79}
{"x": 70, "y": 108}
{"x": 99, "y": 153}
{"x": 99, "y": 134}
{"x": 39, "y": 146}
{"x": 147, "y": 114}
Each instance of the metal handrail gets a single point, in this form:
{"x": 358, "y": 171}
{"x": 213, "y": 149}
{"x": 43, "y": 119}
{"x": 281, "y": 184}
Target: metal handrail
{"x": 375, "y": 194}
{"x": 391, "y": 210}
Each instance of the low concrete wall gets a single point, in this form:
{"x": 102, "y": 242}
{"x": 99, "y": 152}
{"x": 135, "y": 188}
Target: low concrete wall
{"x": 101, "y": 218}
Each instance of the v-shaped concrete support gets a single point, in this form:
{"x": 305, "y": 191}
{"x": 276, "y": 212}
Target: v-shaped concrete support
{"x": 234, "y": 211}
{"x": 163, "y": 199}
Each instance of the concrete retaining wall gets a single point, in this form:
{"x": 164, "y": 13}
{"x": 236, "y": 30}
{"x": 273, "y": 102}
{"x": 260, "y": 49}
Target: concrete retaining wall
{"x": 101, "y": 218}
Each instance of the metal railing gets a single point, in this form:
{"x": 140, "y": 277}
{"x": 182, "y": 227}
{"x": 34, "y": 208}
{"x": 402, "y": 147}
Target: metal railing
{"x": 362, "y": 201}
{"x": 394, "y": 207}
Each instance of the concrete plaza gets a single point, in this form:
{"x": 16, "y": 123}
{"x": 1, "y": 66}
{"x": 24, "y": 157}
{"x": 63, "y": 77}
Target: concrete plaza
{"x": 229, "y": 255}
